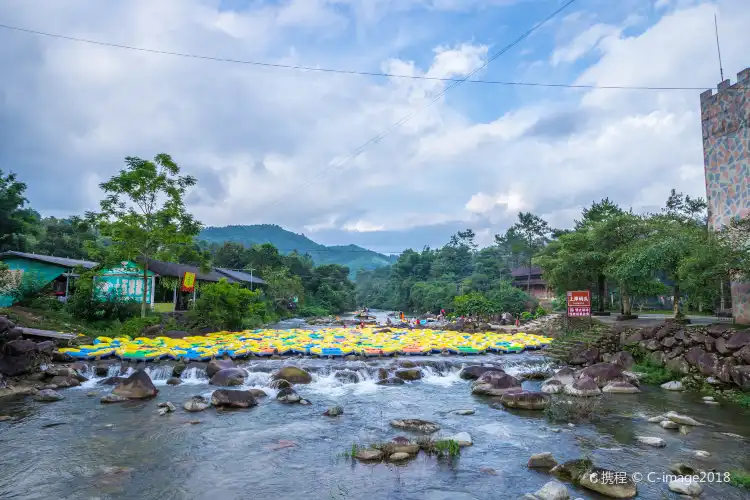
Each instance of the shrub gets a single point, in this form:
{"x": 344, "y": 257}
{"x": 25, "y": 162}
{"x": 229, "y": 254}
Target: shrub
{"x": 526, "y": 316}
{"x": 25, "y": 288}
{"x": 46, "y": 303}
{"x": 540, "y": 312}
{"x": 227, "y": 306}
{"x": 312, "y": 311}
{"x": 85, "y": 305}
{"x": 652, "y": 374}
{"x": 134, "y": 327}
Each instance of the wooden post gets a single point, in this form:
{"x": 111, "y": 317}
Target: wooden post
{"x": 174, "y": 299}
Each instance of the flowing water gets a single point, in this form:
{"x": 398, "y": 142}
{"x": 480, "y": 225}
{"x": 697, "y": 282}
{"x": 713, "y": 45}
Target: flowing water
{"x": 80, "y": 449}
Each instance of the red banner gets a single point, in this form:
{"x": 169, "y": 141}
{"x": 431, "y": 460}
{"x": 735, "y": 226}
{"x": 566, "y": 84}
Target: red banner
{"x": 579, "y": 303}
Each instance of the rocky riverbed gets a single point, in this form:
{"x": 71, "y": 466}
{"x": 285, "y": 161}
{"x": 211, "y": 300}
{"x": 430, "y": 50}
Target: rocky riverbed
{"x": 308, "y": 428}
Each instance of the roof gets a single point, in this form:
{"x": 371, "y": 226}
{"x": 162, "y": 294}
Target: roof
{"x": 48, "y": 259}
{"x": 240, "y": 276}
{"x": 524, "y": 271}
{"x": 522, "y": 282}
{"x": 172, "y": 269}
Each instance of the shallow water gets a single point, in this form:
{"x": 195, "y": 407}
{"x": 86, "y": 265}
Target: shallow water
{"x": 128, "y": 451}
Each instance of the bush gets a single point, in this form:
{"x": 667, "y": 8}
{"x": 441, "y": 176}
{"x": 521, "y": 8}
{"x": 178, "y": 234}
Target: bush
{"x": 526, "y": 316}
{"x": 652, "y": 374}
{"x": 227, "y": 306}
{"x": 312, "y": 312}
{"x": 134, "y": 327}
{"x": 27, "y": 288}
{"x": 46, "y": 303}
{"x": 540, "y": 312}
{"x": 84, "y": 305}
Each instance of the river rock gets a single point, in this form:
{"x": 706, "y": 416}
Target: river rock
{"x": 195, "y": 404}
{"x": 346, "y": 376}
{"x": 565, "y": 375}
{"x": 463, "y": 439}
{"x": 685, "y": 486}
{"x": 552, "y": 386}
{"x": 475, "y": 371}
{"x": 651, "y": 441}
{"x": 64, "y": 381}
{"x": 398, "y": 457}
{"x": 603, "y": 373}
{"x": 701, "y": 453}
{"x": 334, "y": 411}
{"x": 674, "y": 385}
{"x": 228, "y": 377}
{"x": 668, "y": 424}
{"x": 288, "y": 395}
{"x": 179, "y": 368}
{"x": 741, "y": 376}
{"x": 656, "y": 420}
{"x": 571, "y": 470}
{"x": 227, "y": 398}
{"x": 525, "y": 400}
{"x": 495, "y": 383}
{"x": 681, "y": 419}
{"x": 402, "y": 447}
{"x": 678, "y": 365}
{"x": 594, "y": 481}
{"x": 279, "y": 384}
{"x": 416, "y": 425}
{"x": 101, "y": 369}
{"x": 738, "y": 340}
{"x": 368, "y": 455}
{"x": 708, "y": 364}
{"x": 293, "y": 375}
{"x": 48, "y": 396}
{"x": 681, "y": 469}
{"x": 584, "y": 387}
{"x": 165, "y": 407}
{"x": 390, "y": 381}
{"x": 216, "y": 365}
{"x": 551, "y": 491}
{"x": 136, "y": 386}
{"x": 463, "y": 412}
{"x": 174, "y": 381}
{"x": 257, "y": 393}
{"x": 542, "y": 461}
{"x": 112, "y": 398}
{"x": 409, "y": 374}
{"x": 623, "y": 359}
{"x": 620, "y": 388}
{"x": 113, "y": 381}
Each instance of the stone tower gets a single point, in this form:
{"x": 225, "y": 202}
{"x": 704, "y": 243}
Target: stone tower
{"x": 725, "y": 117}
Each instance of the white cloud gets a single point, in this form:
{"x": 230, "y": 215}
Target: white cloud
{"x": 262, "y": 141}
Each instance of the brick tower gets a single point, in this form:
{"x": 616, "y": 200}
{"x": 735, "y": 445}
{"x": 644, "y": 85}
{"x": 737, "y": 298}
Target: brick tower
{"x": 725, "y": 117}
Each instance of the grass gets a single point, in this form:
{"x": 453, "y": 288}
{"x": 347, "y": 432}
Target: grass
{"x": 441, "y": 448}
{"x": 59, "y": 321}
{"x": 445, "y": 448}
{"x": 570, "y": 409}
{"x": 652, "y": 374}
{"x": 740, "y": 478}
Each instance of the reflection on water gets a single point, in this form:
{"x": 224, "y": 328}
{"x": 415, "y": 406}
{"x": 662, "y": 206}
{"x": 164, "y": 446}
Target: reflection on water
{"x": 128, "y": 451}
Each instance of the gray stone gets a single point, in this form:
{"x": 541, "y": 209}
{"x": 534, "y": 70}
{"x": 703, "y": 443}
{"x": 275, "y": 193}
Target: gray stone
{"x": 48, "y": 396}
{"x": 552, "y": 491}
{"x": 195, "y": 404}
{"x": 620, "y": 388}
{"x": 542, "y": 461}
{"x": 685, "y": 486}
{"x": 462, "y": 438}
{"x": 674, "y": 385}
{"x": 668, "y": 424}
{"x": 594, "y": 480}
{"x": 369, "y": 455}
{"x": 584, "y": 387}
{"x": 651, "y": 441}
{"x": 399, "y": 456}
{"x": 417, "y": 425}
{"x": 681, "y": 419}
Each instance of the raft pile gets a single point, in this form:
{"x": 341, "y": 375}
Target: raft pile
{"x": 329, "y": 342}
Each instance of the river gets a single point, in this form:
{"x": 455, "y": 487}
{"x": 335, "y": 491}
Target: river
{"x": 78, "y": 448}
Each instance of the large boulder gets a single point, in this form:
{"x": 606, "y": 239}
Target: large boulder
{"x": 551, "y": 491}
{"x": 741, "y": 376}
{"x": 623, "y": 359}
{"x": 214, "y": 366}
{"x": 136, "y": 386}
{"x": 196, "y": 403}
{"x": 19, "y": 357}
{"x": 744, "y": 354}
{"x": 476, "y": 371}
{"x": 64, "y": 381}
{"x": 586, "y": 357}
{"x": 288, "y": 396}
{"x": 228, "y": 377}
{"x": 409, "y": 374}
{"x": 390, "y": 381}
{"x": 293, "y": 375}
{"x": 20, "y": 347}
{"x": 693, "y": 354}
{"x": 47, "y": 396}
{"x": 542, "y": 461}
{"x": 604, "y": 373}
{"x": 678, "y": 365}
{"x": 495, "y": 384}
{"x": 552, "y": 386}
{"x": 596, "y": 479}
{"x": 739, "y": 340}
{"x": 721, "y": 346}
{"x": 565, "y": 375}
{"x": 226, "y": 398}
{"x": 583, "y": 387}
{"x": 708, "y": 364}
{"x": 620, "y": 388}
{"x": 525, "y": 400}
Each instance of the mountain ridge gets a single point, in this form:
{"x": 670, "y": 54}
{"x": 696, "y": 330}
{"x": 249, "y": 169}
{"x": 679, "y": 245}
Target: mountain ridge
{"x": 352, "y": 256}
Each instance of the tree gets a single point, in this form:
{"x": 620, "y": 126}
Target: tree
{"x": 228, "y": 306}
{"x": 144, "y": 214}
{"x": 17, "y": 223}
{"x": 65, "y": 238}
{"x": 534, "y": 233}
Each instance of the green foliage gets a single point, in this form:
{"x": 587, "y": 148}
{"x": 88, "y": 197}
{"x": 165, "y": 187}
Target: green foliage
{"x": 652, "y": 374}
{"x": 354, "y": 257}
{"x": 69, "y": 238}
{"x": 472, "y": 304}
{"x": 17, "y": 223}
{"x": 540, "y": 312}
{"x": 740, "y": 478}
{"x": 143, "y": 212}
{"x": 85, "y": 305}
{"x": 526, "y": 316}
{"x": 134, "y": 327}
{"x": 446, "y": 448}
{"x": 227, "y": 306}
{"x": 26, "y": 288}
{"x": 312, "y": 312}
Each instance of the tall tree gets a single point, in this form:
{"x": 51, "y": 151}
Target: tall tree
{"x": 17, "y": 223}
{"x": 65, "y": 238}
{"x": 144, "y": 214}
{"x": 535, "y": 233}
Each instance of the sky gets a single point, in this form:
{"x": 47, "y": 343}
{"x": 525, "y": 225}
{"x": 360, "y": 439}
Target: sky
{"x": 274, "y": 145}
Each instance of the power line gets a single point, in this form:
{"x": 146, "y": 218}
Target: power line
{"x": 342, "y": 71}
{"x": 453, "y": 85}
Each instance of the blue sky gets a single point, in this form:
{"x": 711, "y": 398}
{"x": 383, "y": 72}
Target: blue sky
{"x": 261, "y": 141}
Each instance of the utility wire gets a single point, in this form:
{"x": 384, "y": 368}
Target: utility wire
{"x": 453, "y": 85}
{"x": 342, "y": 71}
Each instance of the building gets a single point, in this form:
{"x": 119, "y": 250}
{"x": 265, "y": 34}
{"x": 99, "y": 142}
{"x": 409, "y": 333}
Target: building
{"x": 44, "y": 270}
{"x": 532, "y": 282}
{"x": 726, "y": 156}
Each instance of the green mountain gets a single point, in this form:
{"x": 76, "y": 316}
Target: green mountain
{"x": 352, "y": 256}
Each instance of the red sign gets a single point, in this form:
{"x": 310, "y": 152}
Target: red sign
{"x": 579, "y": 303}
{"x": 188, "y": 282}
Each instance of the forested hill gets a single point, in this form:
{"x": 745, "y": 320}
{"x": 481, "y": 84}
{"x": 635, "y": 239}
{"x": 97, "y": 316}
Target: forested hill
{"x": 352, "y": 256}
